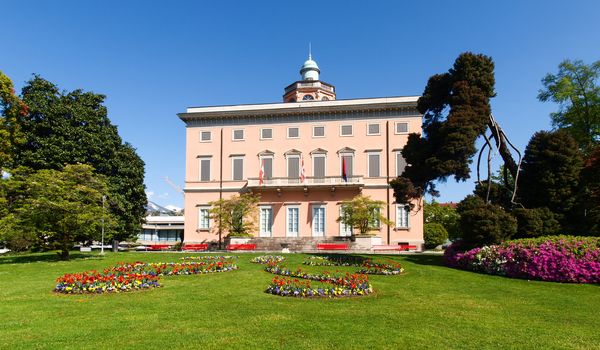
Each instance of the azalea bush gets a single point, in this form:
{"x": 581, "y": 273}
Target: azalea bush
{"x": 125, "y": 277}
{"x": 552, "y": 258}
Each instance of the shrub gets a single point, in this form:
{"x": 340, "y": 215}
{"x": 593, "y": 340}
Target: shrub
{"x": 435, "y": 234}
{"x": 482, "y": 224}
{"x": 535, "y": 222}
{"x": 550, "y": 258}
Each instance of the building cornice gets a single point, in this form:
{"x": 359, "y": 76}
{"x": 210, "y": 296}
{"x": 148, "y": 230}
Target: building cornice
{"x": 299, "y": 108}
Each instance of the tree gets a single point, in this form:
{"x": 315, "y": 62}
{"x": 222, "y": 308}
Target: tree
{"x": 535, "y": 222}
{"x": 550, "y": 177}
{"x": 434, "y": 234}
{"x": 60, "y": 208}
{"x": 447, "y": 216}
{"x": 590, "y": 193}
{"x": 576, "y": 89}
{"x": 73, "y": 127}
{"x": 456, "y": 110}
{"x": 238, "y": 215}
{"x": 363, "y": 214}
{"x": 12, "y": 109}
{"x": 484, "y": 223}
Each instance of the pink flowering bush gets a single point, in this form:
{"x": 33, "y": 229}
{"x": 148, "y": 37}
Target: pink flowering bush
{"x": 568, "y": 259}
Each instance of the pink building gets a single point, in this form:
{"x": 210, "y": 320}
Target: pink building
{"x": 305, "y": 146}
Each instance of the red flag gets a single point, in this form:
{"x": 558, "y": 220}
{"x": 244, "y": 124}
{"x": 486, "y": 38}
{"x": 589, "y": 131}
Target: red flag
{"x": 261, "y": 173}
{"x": 344, "y": 174}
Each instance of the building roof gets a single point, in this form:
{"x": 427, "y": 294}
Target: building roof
{"x": 269, "y": 109}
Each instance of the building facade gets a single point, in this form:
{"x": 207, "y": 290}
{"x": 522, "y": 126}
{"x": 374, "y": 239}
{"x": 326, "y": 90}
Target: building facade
{"x": 304, "y": 157}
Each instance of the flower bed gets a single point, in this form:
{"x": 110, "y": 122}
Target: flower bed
{"x": 325, "y": 284}
{"x": 266, "y": 259}
{"x": 350, "y": 285}
{"x": 557, "y": 258}
{"x": 367, "y": 266}
{"x": 209, "y": 257}
{"x": 125, "y": 277}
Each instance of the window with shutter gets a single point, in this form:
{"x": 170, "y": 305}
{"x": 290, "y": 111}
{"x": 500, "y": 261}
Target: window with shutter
{"x": 266, "y": 134}
{"x": 372, "y": 129}
{"x": 238, "y": 134}
{"x": 238, "y": 169}
{"x": 400, "y": 164}
{"x": 374, "y": 165}
{"x": 293, "y": 133}
{"x": 318, "y": 131}
{"x": 401, "y": 127}
{"x": 204, "y": 169}
{"x": 346, "y": 130}
{"x": 205, "y": 136}
{"x": 319, "y": 166}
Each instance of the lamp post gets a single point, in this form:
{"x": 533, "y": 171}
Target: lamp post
{"x": 102, "y": 246}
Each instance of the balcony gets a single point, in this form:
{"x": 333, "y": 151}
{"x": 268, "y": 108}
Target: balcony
{"x": 279, "y": 183}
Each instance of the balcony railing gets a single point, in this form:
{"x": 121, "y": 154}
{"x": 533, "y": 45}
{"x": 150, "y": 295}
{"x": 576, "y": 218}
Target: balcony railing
{"x": 315, "y": 84}
{"x": 309, "y": 181}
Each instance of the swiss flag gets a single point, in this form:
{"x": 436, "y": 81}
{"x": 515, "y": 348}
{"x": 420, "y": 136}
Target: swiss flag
{"x": 261, "y": 173}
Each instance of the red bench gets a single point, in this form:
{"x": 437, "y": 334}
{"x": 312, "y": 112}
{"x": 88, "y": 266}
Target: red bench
{"x": 241, "y": 247}
{"x": 399, "y": 247}
{"x": 155, "y": 247}
{"x": 331, "y": 246}
{"x": 195, "y": 247}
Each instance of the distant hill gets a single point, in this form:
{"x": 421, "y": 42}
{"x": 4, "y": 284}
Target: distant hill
{"x": 153, "y": 209}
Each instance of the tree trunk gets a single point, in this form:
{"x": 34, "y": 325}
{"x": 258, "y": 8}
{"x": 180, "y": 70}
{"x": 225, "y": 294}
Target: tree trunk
{"x": 64, "y": 253}
{"x": 502, "y": 145}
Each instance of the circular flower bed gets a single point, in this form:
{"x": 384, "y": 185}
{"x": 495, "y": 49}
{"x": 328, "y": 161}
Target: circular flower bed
{"x": 325, "y": 284}
{"x": 125, "y": 277}
{"x": 266, "y": 259}
{"x": 209, "y": 257}
{"x": 366, "y": 266}
{"x": 554, "y": 258}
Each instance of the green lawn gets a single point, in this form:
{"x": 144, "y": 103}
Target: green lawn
{"x": 429, "y": 306}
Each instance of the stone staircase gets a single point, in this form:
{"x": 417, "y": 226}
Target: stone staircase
{"x": 294, "y": 244}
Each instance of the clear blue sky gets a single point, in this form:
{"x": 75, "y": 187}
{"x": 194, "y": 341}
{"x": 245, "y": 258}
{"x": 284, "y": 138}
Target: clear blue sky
{"x": 154, "y": 59}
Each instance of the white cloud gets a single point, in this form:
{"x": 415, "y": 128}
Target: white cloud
{"x": 149, "y": 194}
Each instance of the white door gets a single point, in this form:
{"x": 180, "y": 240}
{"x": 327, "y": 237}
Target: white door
{"x": 266, "y": 221}
{"x": 293, "y": 221}
{"x": 345, "y": 230}
{"x": 318, "y": 221}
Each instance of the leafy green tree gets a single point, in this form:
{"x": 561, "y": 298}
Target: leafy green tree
{"x": 60, "y": 208}
{"x": 434, "y": 234}
{"x": 12, "y": 109}
{"x": 551, "y": 167}
{"x": 456, "y": 112}
{"x": 484, "y": 223}
{"x": 363, "y": 214}
{"x": 446, "y": 215}
{"x": 576, "y": 89}
{"x": 237, "y": 215}
{"x": 73, "y": 127}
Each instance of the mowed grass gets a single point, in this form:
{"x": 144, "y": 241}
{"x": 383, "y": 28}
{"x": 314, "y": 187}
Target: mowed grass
{"x": 430, "y": 306}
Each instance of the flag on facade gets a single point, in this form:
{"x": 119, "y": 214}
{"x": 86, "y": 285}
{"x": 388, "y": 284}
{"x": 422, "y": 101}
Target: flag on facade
{"x": 261, "y": 173}
{"x": 302, "y": 176}
{"x": 344, "y": 174}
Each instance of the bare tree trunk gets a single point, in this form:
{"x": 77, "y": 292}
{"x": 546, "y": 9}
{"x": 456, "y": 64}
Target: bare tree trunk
{"x": 502, "y": 143}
